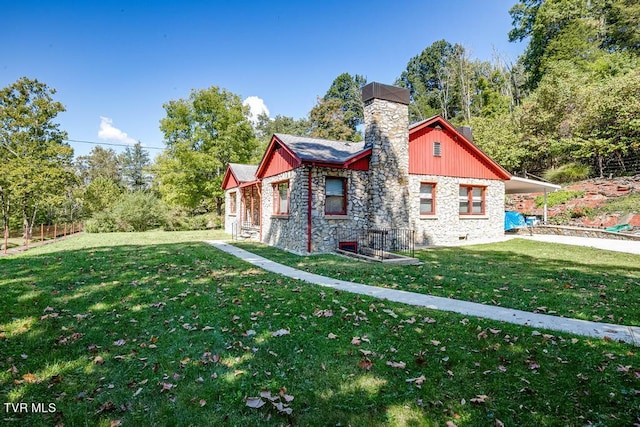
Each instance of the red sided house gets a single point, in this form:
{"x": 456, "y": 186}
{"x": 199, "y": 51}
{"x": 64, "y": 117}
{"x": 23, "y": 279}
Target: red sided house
{"x": 312, "y": 195}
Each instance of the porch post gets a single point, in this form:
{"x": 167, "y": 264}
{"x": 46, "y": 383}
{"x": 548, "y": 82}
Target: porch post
{"x": 309, "y": 200}
{"x": 252, "y": 207}
{"x": 545, "y": 206}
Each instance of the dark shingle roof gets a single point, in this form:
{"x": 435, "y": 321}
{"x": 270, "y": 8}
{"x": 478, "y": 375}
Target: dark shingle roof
{"x": 244, "y": 173}
{"x": 322, "y": 150}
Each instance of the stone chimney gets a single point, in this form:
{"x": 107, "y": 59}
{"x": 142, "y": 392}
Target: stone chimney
{"x": 386, "y": 132}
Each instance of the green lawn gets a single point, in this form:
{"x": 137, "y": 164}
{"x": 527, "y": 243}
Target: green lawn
{"x": 160, "y": 329}
{"x": 563, "y": 280}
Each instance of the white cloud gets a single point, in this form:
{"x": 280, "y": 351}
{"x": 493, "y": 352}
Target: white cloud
{"x": 109, "y": 132}
{"x": 256, "y": 107}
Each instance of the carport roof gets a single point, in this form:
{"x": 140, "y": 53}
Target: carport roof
{"x": 517, "y": 185}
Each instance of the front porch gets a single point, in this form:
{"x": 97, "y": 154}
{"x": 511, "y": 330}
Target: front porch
{"x": 248, "y": 225}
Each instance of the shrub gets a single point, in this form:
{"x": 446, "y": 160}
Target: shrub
{"x": 558, "y": 197}
{"x": 136, "y": 211}
{"x": 622, "y": 205}
{"x": 101, "y": 222}
{"x": 139, "y": 211}
{"x": 180, "y": 220}
{"x": 569, "y": 172}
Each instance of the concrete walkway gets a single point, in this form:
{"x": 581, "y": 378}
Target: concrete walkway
{"x": 629, "y": 334}
{"x": 628, "y": 246}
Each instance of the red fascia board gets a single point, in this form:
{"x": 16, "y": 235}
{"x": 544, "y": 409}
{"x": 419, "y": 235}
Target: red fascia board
{"x": 250, "y": 183}
{"x": 358, "y": 156}
{"x": 500, "y": 171}
{"x": 269, "y": 152}
{"x": 227, "y": 176}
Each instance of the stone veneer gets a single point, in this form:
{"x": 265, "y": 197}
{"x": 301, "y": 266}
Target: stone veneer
{"x": 286, "y": 231}
{"x": 447, "y": 225}
{"x": 387, "y": 133}
{"x": 230, "y": 220}
{"x": 290, "y": 232}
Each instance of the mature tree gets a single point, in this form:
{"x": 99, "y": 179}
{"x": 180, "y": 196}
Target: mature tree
{"x": 623, "y": 31}
{"x": 500, "y": 137}
{"x": 100, "y": 163}
{"x": 328, "y": 121}
{"x": 267, "y": 126}
{"x": 431, "y": 78}
{"x": 609, "y": 126}
{"x": 135, "y": 163}
{"x": 575, "y": 30}
{"x": 348, "y": 90}
{"x": 35, "y": 163}
{"x": 203, "y": 134}
{"x": 99, "y": 195}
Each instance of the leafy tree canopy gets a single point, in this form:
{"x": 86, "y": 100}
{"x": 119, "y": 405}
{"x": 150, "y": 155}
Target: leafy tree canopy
{"x": 35, "y": 163}
{"x": 135, "y": 164}
{"x": 99, "y": 163}
{"x": 203, "y": 134}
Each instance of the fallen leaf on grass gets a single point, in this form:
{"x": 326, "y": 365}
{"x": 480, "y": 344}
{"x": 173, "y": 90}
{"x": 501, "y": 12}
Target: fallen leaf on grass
{"x": 280, "y": 332}
{"x": 480, "y": 399}
{"x": 365, "y": 364}
{"x": 29, "y": 378}
{"x": 254, "y": 402}
{"x": 399, "y": 365}
{"x": 332, "y": 336}
{"x": 418, "y": 380}
{"x": 166, "y": 386}
{"x": 120, "y": 342}
{"x": 390, "y": 313}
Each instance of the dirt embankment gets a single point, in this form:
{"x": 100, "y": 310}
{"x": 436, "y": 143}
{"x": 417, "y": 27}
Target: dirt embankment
{"x": 582, "y": 211}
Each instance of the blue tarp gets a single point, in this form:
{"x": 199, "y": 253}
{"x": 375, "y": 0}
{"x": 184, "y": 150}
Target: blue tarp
{"x": 513, "y": 220}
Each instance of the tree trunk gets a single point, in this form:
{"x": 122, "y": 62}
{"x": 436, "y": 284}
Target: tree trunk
{"x": 600, "y": 166}
{"x": 219, "y": 203}
{"x": 4, "y": 204}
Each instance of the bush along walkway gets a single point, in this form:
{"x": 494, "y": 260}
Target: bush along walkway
{"x": 629, "y": 334}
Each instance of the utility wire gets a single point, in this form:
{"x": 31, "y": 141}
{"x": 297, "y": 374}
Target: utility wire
{"x": 111, "y": 144}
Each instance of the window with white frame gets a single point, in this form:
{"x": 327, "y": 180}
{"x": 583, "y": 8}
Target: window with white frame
{"x": 427, "y": 198}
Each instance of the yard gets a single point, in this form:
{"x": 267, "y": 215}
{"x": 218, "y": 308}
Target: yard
{"x": 161, "y": 329}
{"x": 570, "y": 281}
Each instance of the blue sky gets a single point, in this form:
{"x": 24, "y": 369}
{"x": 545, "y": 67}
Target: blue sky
{"x": 115, "y": 63}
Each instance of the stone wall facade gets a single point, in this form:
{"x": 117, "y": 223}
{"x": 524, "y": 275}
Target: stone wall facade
{"x": 325, "y": 227}
{"x": 289, "y": 231}
{"x": 447, "y": 225}
{"x": 231, "y": 220}
{"x": 387, "y": 133}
